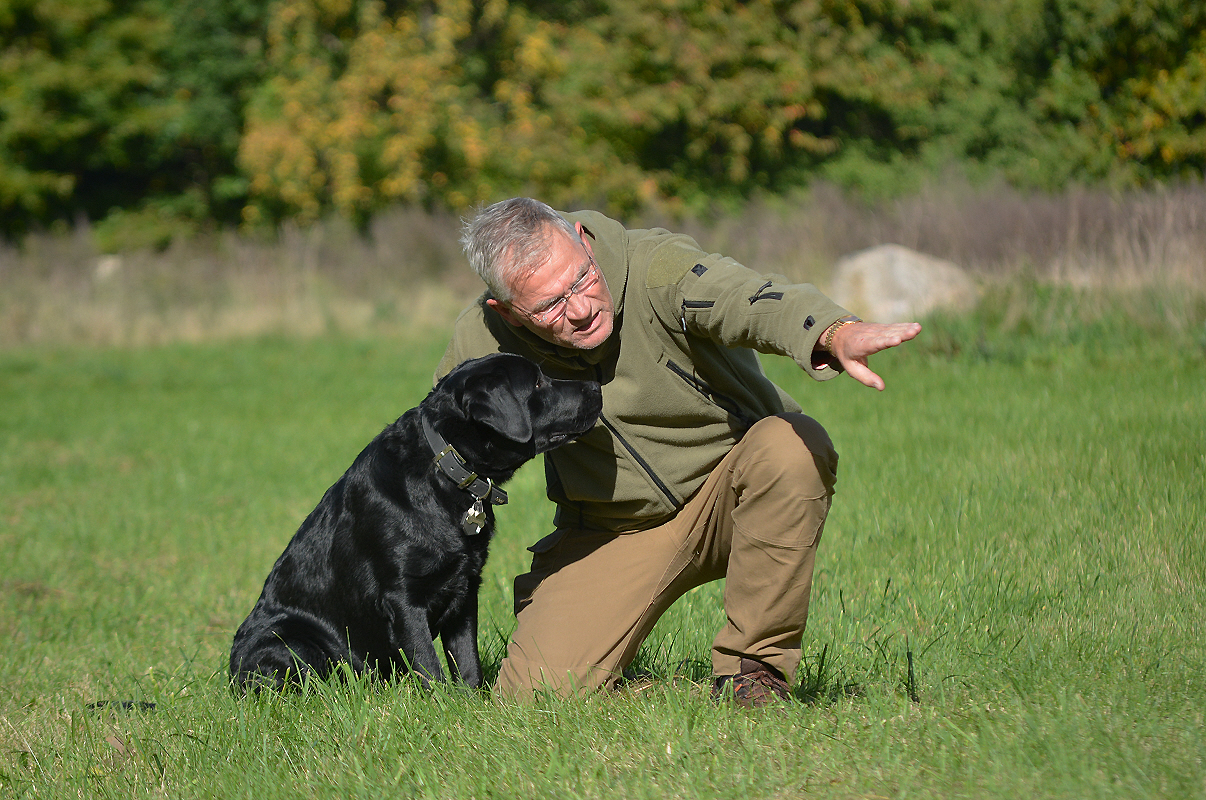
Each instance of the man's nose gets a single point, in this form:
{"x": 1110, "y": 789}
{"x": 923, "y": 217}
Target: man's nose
{"x": 578, "y": 307}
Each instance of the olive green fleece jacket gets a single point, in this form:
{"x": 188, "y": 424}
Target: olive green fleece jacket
{"x": 681, "y": 382}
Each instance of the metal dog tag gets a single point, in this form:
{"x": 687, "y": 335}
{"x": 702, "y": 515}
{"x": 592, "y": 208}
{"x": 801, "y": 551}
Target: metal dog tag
{"x": 475, "y": 519}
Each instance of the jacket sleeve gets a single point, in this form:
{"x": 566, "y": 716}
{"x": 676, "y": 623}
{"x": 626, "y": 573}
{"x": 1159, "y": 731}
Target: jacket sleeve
{"x": 471, "y": 338}
{"x": 710, "y": 295}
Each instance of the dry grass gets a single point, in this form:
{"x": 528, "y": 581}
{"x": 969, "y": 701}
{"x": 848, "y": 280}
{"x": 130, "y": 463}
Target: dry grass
{"x": 1090, "y": 238}
{"x": 60, "y": 289}
{"x": 408, "y": 271}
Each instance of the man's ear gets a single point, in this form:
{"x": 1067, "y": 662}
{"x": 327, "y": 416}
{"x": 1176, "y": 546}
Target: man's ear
{"x": 585, "y": 235}
{"x": 503, "y": 311}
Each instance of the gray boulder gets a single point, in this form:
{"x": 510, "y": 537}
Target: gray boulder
{"x": 890, "y": 283}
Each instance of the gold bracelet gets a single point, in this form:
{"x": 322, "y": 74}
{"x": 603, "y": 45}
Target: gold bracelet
{"x": 834, "y": 329}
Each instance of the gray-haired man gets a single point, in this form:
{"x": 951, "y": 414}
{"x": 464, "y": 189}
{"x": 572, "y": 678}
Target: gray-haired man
{"x": 700, "y": 468}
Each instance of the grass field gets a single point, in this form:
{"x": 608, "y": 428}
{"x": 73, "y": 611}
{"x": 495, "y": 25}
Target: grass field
{"x": 1023, "y": 525}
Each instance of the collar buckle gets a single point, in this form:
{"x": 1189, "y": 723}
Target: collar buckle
{"x": 451, "y": 464}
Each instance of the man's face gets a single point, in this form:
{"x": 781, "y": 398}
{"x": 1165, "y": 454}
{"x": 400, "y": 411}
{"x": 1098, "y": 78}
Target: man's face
{"x": 564, "y": 300}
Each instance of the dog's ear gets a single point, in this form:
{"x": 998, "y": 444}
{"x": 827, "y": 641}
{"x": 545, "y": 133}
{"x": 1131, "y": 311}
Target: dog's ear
{"x": 500, "y": 410}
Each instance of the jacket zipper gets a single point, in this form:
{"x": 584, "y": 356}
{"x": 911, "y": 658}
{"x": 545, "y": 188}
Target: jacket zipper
{"x": 661, "y": 485}
{"x": 758, "y": 295}
{"x": 693, "y": 304}
{"x": 724, "y": 401}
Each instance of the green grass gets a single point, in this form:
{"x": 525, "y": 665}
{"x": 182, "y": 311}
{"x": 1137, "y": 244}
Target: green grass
{"x": 1028, "y": 527}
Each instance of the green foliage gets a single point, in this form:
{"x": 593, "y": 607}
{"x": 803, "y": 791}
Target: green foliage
{"x": 82, "y": 106}
{"x": 441, "y": 105}
{"x": 1123, "y": 94}
{"x": 635, "y": 102}
{"x": 248, "y": 110}
{"x": 122, "y": 104}
{"x": 214, "y": 60}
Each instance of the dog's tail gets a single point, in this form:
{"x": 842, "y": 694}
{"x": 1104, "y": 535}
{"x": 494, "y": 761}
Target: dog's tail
{"x": 283, "y": 647}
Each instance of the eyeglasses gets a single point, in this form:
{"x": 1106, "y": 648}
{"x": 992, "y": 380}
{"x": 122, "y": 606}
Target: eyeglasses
{"x": 554, "y": 311}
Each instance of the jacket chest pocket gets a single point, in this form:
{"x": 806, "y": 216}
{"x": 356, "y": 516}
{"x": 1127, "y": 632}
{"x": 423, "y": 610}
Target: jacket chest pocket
{"x": 719, "y": 399}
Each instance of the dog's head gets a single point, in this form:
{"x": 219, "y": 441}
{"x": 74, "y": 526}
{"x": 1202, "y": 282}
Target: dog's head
{"x": 501, "y": 410}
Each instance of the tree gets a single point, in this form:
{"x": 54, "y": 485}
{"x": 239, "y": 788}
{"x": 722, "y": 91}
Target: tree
{"x": 121, "y": 104}
{"x": 1122, "y": 94}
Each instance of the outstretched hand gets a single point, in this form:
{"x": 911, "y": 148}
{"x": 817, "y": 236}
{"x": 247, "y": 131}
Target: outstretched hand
{"x": 854, "y": 343}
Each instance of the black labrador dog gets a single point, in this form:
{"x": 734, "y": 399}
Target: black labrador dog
{"x": 392, "y": 555}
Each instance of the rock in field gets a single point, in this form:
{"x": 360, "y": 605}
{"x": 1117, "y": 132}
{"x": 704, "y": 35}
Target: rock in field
{"x": 890, "y": 283}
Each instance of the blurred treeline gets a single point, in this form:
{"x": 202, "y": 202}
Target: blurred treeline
{"x": 148, "y": 117}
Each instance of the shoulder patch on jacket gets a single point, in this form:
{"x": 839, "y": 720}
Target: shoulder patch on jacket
{"x": 669, "y": 264}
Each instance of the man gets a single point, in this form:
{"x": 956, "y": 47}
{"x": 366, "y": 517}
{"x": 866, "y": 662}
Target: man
{"x": 700, "y": 468}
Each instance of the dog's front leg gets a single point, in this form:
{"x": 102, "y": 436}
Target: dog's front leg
{"x": 412, "y": 636}
{"x": 460, "y": 646}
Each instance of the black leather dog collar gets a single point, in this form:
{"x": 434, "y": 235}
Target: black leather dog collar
{"x": 451, "y": 464}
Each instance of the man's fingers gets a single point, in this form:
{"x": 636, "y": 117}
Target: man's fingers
{"x": 868, "y": 338}
{"x": 873, "y": 338}
{"x": 863, "y": 374}
{"x": 852, "y": 344}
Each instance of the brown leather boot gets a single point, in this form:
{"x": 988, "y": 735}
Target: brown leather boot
{"x": 756, "y": 686}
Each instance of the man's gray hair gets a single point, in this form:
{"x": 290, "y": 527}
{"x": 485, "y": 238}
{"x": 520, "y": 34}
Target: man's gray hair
{"x": 509, "y": 239}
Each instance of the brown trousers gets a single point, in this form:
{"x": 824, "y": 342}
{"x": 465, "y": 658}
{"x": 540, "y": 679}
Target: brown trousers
{"x": 592, "y": 597}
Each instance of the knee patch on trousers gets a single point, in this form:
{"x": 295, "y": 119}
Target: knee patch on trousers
{"x": 791, "y": 446}
{"x": 783, "y": 478}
